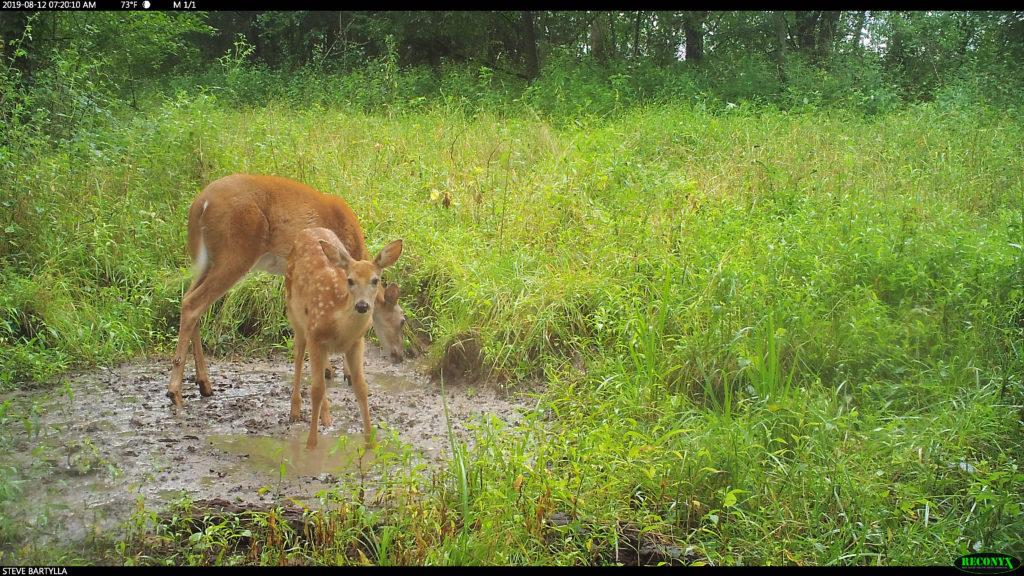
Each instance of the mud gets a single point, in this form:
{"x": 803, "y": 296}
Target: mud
{"x": 112, "y": 436}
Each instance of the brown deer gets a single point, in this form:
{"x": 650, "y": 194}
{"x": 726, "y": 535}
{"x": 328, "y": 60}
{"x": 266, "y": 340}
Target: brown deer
{"x": 329, "y": 299}
{"x": 246, "y": 222}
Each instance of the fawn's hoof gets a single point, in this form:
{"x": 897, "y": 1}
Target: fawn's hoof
{"x": 294, "y": 416}
{"x": 329, "y": 373}
{"x": 205, "y": 388}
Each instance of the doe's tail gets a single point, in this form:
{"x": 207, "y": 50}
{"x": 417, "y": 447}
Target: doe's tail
{"x": 196, "y": 247}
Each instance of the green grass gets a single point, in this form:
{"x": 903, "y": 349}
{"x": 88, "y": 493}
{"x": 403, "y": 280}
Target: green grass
{"x": 772, "y": 337}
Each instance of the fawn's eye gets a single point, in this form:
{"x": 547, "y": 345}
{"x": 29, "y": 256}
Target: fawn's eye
{"x": 374, "y": 281}
{"x": 351, "y": 282}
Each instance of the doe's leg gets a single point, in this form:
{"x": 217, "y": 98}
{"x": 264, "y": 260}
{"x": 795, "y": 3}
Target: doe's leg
{"x": 202, "y": 376}
{"x": 210, "y": 287}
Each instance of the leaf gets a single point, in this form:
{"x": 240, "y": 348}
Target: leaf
{"x": 661, "y": 441}
{"x": 730, "y": 500}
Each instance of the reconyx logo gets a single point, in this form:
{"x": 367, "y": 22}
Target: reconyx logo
{"x": 987, "y": 563}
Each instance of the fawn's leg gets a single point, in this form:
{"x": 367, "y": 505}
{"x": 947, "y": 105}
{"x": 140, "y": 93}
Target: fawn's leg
{"x": 300, "y": 353}
{"x": 354, "y": 364}
{"x": 316, "y": 369}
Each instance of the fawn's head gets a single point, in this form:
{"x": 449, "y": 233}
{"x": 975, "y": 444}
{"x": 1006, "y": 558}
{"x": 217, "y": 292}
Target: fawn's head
{"x": 366, "y": 290}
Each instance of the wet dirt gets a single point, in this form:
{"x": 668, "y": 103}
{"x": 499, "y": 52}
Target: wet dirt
{"x": 110, "y": 436}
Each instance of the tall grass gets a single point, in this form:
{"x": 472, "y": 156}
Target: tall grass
{"x": 774, "y": 337}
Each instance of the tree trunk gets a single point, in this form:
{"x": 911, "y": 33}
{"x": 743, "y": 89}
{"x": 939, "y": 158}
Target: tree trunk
{"x": 598, "y": 44}
{"x": 894, "y": 50}
{"x": 530, "y": 45}
{"x": 665, "y": 41}
{"x": 858, "y": 34}
{"x": 254, "y": 38}
{"x": 828, "y": 24}
{"x": 613, "y": 45}
{"x": 806, "y": 25}
{"x": 967, "y": 28}
{"x": 636, "y": 35}
{"x": 693, "y": 32}
{"x": 780, "y": 43}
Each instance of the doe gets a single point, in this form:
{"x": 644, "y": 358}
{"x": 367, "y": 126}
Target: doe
{"x": 246, "y": 222}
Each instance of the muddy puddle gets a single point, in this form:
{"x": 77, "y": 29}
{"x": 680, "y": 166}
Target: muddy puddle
{"x": 107, "y": 437}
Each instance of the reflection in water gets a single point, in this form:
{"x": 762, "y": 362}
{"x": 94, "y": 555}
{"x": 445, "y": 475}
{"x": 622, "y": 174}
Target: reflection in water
{"x": 333, "y": 454}
{"x": 391, "y": 382}
{"x": 394, "y": 383}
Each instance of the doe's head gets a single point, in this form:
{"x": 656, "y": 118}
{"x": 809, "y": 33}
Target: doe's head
{"x": 388, "y": 322}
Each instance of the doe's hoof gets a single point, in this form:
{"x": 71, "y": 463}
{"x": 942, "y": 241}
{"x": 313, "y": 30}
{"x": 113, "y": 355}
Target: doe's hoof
{"x": 175, "y": 398}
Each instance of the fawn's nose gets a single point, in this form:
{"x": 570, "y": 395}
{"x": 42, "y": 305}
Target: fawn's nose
{"x": 362, "y": 307}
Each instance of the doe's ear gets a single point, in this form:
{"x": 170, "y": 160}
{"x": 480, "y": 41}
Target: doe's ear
{"x": 336, "y": 253}
{"x": 391, "y": 294}
{"x": 389, "y": 254}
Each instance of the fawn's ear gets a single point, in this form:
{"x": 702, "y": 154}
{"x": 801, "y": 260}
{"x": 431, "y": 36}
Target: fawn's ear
{"x": 391, "y": 294}
{"x": 388, "y": 254}
{"x": 336, "y": 253}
